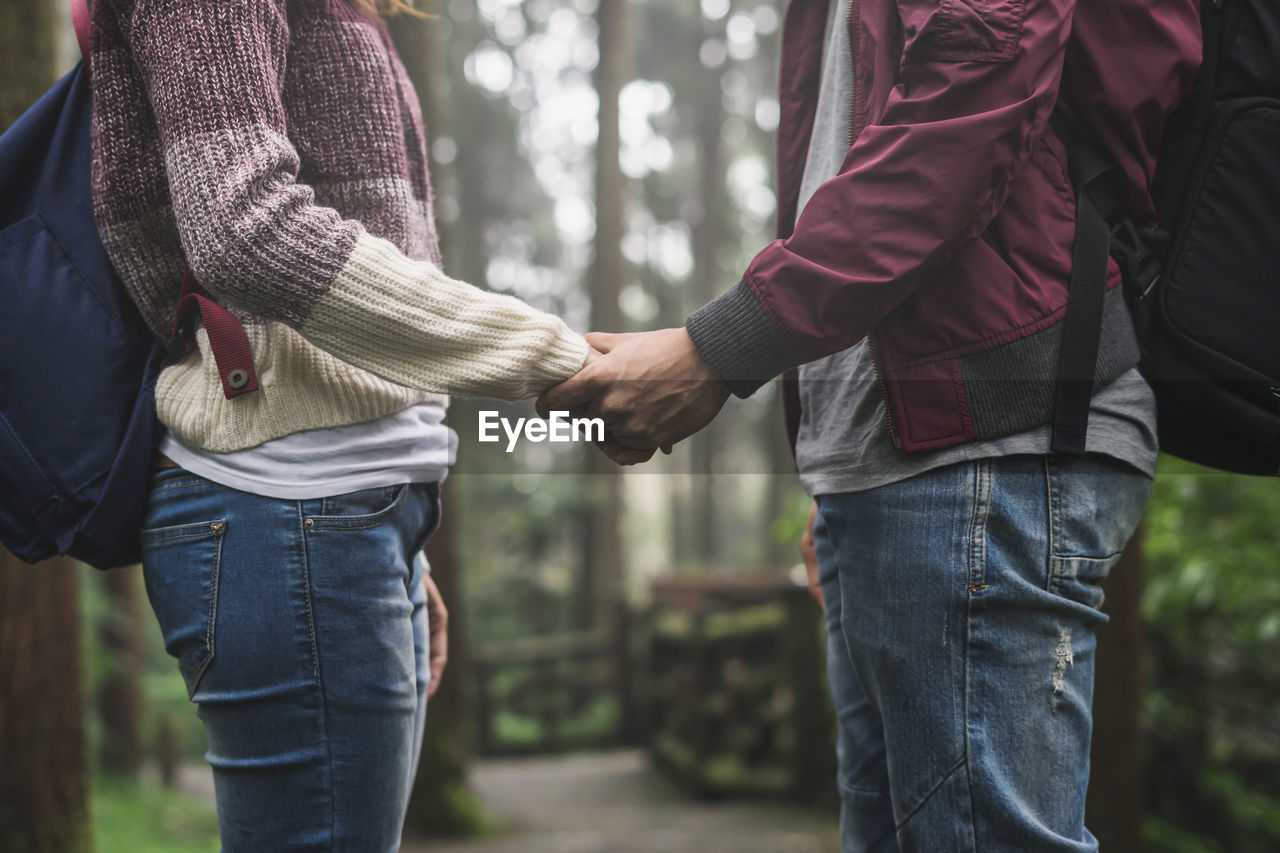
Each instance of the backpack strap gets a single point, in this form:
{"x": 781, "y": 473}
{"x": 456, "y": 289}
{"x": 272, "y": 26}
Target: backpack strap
{"x": 80, "y": 20}
{"x": 1082, "y": 325}
{"x": 227, "y": 339}
{"x": 1103, "y": 228}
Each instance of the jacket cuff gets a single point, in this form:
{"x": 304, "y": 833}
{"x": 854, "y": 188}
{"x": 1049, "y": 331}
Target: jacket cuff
{"x": 737, "y": 340}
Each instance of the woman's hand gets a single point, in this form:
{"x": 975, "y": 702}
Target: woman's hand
{"x": 810, "y": 555}
{"x": 437, "y": 632}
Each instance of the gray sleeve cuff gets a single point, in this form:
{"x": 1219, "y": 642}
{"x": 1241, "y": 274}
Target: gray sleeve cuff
{"x": 735, "y": 338}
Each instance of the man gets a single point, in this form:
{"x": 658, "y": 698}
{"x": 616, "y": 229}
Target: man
{"x": 926, "y": 223}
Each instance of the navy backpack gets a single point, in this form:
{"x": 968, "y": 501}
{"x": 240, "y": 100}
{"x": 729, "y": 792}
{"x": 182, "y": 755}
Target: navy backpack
{"x": 78, "y": 364}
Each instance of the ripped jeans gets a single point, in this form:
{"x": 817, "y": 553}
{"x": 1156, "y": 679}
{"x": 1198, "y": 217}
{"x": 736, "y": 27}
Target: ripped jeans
{"x": 960, "y": 609}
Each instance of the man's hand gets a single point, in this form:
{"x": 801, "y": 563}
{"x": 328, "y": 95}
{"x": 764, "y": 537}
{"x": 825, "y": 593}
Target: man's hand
{"x": 810, "y": 555}
{"x": 438, "y": 633}
{"x": 652, "y": 389}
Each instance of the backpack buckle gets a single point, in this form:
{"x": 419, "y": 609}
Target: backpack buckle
{"x": 1140, "y": 254}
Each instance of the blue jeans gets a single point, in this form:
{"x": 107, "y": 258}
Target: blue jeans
{"x": 300, "y": 629}
{"x": 960, "y": 609}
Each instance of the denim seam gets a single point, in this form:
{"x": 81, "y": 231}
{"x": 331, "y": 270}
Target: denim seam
{"x": 315, "y": 669}
{"x": 1053, "y": 501}
{"x": 306, "y": 593}
{"x": 185, "y": 484}
{"x": 978, "y": 525}
{"x": 155, "y": 540}
{"x": 214, "y": 575}
{"x": 368, "y": 521}
{"x": 977, "y": 568}
{"x": 848, "y": 649}
{"x": 858, "y": 791}
{"x": 338, "y": 528}
{"x": 213, "y": 590}
{"x": 963, "y": 762}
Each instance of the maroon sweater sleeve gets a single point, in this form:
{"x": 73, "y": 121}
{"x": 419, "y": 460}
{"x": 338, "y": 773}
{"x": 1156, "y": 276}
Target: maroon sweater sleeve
{"x": 974, "y": 96}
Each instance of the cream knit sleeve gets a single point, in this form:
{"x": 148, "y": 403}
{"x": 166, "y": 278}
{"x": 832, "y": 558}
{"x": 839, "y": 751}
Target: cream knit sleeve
{"x": 438, "y": 334}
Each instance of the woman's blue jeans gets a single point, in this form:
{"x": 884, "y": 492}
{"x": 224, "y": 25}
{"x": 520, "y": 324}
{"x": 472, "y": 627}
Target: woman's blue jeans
{"x": 300, "y": 628}
{"x": 960, "y": 610}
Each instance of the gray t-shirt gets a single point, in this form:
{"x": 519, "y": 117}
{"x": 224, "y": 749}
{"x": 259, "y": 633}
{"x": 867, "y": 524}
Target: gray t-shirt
{"x": 844, "y": 443}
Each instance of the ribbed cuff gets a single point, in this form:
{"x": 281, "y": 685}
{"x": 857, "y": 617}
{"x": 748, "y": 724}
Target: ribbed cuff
{"x": 737, "y": 340}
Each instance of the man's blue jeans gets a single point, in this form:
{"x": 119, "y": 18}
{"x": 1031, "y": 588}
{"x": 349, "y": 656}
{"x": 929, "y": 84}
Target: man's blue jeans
{"x": 300, "y": 628}
{"x": 960, "y": 611}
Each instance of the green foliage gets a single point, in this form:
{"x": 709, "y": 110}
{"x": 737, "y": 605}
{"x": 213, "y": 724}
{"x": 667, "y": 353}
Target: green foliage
{"x": 790, "y": 525}
{"x": 130, "y": 818}
{"x": 442, "y": 806}
{"x": 164, "y": 694}
{"x": 1212, "y": 621}
{"x": 1164, "y": 837}
{"x": 1213, "y": 547}
{"x": 597, "y": 719}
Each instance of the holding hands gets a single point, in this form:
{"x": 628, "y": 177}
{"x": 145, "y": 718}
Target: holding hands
{"x": 652, "y": 389}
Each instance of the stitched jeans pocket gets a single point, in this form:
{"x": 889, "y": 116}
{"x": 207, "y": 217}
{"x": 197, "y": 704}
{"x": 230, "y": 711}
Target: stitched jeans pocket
{"x": 1095, "y": 504}
{"x": 358, "y": 510}
{"x": 1080, "y": 578}
{"x": 180, "y": 567}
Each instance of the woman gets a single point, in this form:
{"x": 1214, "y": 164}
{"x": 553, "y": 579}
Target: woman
{"x": 276, "y": 147}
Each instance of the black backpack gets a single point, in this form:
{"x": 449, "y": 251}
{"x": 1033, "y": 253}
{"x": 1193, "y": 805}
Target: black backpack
{"x": 1205, "y": 293}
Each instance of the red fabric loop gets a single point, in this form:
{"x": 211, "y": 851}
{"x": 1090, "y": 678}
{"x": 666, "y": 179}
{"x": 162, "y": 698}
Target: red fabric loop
{"x": 80, "y": 20}
{"x": 227, "y": 340}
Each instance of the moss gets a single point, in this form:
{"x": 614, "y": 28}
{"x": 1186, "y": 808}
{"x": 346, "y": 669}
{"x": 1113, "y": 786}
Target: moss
{"x": 132, "y": 818}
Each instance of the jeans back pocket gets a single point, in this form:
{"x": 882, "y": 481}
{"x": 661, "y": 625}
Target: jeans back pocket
{"x": 180, "y": 567}
{"x": 357, "y": 510}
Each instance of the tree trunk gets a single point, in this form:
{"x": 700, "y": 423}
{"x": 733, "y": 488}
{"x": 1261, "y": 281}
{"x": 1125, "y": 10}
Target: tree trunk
{"x": 28, "y": 54}
{"x": 782, "y": 478}
{"x": 708, "y": 236}
{"x": 120, "y": 692}
{"x": 43, "y": 796}
{"x": 441, "y": 803}
{"x": 603, "y": 567}
{"x": 1115, "y": 804}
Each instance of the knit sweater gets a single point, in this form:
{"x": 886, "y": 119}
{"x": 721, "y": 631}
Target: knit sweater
{"x": 276, "y": 147}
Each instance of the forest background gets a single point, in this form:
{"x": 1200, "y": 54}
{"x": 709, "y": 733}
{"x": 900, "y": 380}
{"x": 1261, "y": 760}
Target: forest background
{"x": 611, "y": 161}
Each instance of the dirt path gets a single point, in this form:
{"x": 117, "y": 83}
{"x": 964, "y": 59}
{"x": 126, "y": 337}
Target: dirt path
{"x": 615, "y": 803}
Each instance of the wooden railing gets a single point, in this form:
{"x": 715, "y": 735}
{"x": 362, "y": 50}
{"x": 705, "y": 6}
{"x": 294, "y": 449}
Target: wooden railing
{"x": 555, "y": 692}
{"x": 738, "y": 702}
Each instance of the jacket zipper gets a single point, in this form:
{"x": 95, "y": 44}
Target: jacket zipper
{"x": 853, "y": 69}
{"x": 884, "y": 389}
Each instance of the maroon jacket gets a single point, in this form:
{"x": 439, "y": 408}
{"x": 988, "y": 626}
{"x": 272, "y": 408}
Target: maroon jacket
{"x": 947, "y": 235}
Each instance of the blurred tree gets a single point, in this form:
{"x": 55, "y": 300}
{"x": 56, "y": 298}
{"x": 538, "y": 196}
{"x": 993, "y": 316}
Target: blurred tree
{"x": 28, "y": 54}
{"x": 1115, "y": 802}
{"x": 43, "y": 790}
{"x": 707, "y": 226}
{"x": 604, "y": 567}
{"x": 441, "y": 803}
{"x": 43, "y": 805}
{"x": 779, "y": 552}
{"x": 120, "y": 688}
